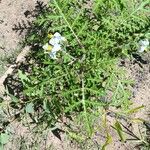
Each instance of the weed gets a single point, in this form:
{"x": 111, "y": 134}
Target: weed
{"x": 84, "y": 80}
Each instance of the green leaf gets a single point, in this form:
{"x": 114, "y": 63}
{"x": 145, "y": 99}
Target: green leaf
{"x": 137, "y": 120}
{"x": 30, "y": 108}
{"x": 4, "y": 138}
{"x": 41, "y": 91}
{"x": 134, "y": 110}
{"x": 1, "y": 147}
{"x": 119, "y": 130}
{"x": 46, "y": 106}
{"x": 22, "y": 76}
{"x": 13, "y": 98}
{"x": 95, "y": 27}
{"x": 108, "y": 141}
{"x": 76, "y": 136}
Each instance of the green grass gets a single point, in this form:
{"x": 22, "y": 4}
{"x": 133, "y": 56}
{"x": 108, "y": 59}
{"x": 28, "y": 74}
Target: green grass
{"x": 76, "y": 85}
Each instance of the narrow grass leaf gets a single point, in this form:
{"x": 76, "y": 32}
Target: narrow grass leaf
{"x": 134, "y": 110}
{"x": 108, "y": 141}
{"x": 76, "y": 136}
{"x": 119, "y": 131}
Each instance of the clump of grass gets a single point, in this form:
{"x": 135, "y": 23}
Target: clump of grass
{"x": 77, "y": 83}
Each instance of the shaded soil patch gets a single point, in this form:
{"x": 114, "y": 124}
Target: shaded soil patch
{"x": 15, "y": 16}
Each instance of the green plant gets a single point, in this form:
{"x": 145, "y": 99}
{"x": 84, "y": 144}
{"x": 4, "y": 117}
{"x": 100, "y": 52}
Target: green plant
{"x": 4, "y": 138}
{"x": 77, "y": 83}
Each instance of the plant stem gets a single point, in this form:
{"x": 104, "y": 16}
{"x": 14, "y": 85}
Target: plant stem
{"x": 78, "y": 40}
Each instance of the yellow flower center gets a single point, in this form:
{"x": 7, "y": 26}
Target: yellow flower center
{"x": 50, "y": 35}
{"x": 49, "y": 48}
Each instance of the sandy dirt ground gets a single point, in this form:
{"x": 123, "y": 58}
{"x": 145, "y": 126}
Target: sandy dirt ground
{"x": 138, "y": 70}
{"x": 12, "y": 12}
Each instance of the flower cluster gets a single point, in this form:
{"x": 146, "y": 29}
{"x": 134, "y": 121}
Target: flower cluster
{"x": 143, "y": 45}
{"x": 55, "y": 44}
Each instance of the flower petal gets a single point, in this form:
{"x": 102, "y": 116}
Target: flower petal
{"x": 63, "y": 39}
{"x": 57, "y": 35}
{"x": 45, "y": 46}
{"x": 144, "y": 42}
{"x": 57, "y": 47}
{"x": 142, "y": 48}
{"x": 54, "y": 41}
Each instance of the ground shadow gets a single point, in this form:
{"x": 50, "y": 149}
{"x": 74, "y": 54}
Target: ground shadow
{"x": 29, "y": 26}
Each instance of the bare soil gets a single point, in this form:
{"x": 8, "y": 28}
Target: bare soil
{"x": 11, "y": 13}
{"x": 138, "y": 70}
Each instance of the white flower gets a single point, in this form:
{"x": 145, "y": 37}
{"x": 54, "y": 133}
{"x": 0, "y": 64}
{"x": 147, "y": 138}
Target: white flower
{"x": 63, "y": 39}
{"x": 57, "y": 39}
{"x": 56, "y": 47}
{"x": 57, "y": 35}
{"x": 55, "y": 44}
{"x": 54, "y": 50}
{"x": 47, "y": 48}
{"x": 143, "y": 44}
{"x": 54, "y": 41}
